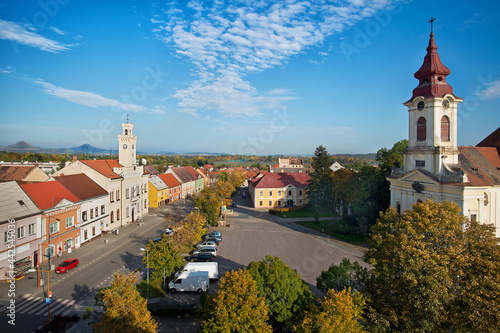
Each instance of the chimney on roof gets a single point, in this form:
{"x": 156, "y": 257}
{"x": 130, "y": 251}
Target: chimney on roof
{"x": 74, "y": 159}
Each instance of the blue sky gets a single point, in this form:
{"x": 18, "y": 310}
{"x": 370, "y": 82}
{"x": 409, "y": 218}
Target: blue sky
{"x": 248, "y": 77}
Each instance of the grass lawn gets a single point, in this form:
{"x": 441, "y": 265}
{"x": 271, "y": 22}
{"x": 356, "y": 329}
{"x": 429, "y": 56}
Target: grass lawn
{"x": 329, "y": 227}
{"x": 306, "y": 212}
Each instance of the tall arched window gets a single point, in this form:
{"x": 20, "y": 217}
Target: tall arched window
{"x": 445, "y": 129}
{"x": 112, "y": 217}
{"x": 421, "y": 129}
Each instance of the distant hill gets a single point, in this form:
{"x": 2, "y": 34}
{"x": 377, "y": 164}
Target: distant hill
{"x": 21, "y": 146}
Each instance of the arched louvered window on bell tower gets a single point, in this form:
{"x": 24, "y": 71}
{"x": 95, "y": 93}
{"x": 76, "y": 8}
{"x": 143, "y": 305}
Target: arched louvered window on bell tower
{"x": 421, "y": 129}
{"x": 445, "y": 128}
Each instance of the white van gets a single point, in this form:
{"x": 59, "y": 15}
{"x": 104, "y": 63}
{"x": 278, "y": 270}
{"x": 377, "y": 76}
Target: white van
{"x": 211, "y": 267}
{"x": 190, "y": 281}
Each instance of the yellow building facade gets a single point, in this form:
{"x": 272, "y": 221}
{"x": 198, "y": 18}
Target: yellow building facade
{"x": 279, "y": 190}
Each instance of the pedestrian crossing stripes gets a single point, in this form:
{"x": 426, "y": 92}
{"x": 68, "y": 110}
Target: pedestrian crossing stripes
{"x": 36, "y": 306}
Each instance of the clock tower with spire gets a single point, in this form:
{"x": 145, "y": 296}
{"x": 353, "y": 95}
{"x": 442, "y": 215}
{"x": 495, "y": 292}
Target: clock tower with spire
{"x": 127, "y": 146}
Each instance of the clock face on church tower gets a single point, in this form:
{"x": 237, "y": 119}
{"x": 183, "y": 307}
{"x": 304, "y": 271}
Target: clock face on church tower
{"x": 420, "y": 105}
{"x": 446, "y": 104}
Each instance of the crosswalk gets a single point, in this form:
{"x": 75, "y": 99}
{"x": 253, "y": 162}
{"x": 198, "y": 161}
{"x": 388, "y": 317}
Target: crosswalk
{"x": 36, "y": 306}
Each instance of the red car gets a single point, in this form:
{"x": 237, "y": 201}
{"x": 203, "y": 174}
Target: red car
{"x": 66, "y": 265}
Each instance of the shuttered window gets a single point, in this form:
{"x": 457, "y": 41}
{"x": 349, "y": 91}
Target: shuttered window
{"x": 445, "y": 129}
{"x": 421, "y": 129}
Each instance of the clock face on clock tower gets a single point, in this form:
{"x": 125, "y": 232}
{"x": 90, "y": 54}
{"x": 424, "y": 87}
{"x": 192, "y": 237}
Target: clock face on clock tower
{"x": 125, "y": 146}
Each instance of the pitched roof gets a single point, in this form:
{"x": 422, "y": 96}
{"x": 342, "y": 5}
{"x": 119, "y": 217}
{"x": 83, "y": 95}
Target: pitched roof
{"x": 15, "y": 203}
{"x": 157, "y": 182}
{"x": 492, "y": 140}
{"x": 280, "y": 180}
{"x": 481, "y": 164}
{"x": 170, "y": 180}
{"x": 48, "y": 194}
{"x": 151, "y": 170}
{"x": 104, "y": 167}
{"x": 15, "y": 172}
{"x": 81, "y": 186}
{"x": 183, "y": 174}
{"x": 208, "y": 166}
{"x": 192, "y": 171}
{"x": 202, "y": 171}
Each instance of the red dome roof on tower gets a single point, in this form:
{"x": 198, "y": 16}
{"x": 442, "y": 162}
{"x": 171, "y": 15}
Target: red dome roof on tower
{"x": 432, "y": 75}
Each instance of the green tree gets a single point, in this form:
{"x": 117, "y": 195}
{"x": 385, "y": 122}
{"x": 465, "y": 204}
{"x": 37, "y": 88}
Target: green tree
{"x": 124, "y": 309}
{"x": 477, "y": 305}
{"x": 163, "y": 257}
{"x": 236, "y": 178}
{"x": 236, "y": 307}
{"x": 208, "y": 202}
{"x": 345, "y": 275}
{"x": 190, "y": 230}
{"x": 389, "y": 158}
{"x": 320, "y": 188}
{"x": 286, "y": 294}
{"x": 428, "y": 272}
{"x": 338, "y": 312}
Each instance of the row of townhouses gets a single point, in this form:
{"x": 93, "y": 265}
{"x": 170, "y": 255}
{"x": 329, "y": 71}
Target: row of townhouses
{"x": 45, "y": 216}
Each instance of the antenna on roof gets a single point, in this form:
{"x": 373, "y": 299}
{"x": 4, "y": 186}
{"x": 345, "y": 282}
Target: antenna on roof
{"x": 127, "y": 117}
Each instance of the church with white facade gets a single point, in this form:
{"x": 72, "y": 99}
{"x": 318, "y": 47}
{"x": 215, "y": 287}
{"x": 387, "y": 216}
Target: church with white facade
{"x": 435, "y": 167}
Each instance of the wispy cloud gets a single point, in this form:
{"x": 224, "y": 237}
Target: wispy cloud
{"x": 15, "y": 32}
{"x": 225, "y": 43}
{"x": 491, "y": 92}
{"x": 86, "y": 98}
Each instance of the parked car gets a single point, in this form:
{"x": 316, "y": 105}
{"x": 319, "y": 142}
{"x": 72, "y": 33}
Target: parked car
{"x": 215, "y": 240}
{"x": 207, "y": 243}
{"x": 201, "y": 257}
{"x": 156, "y": 240}
{"x": 169, "y": 231}
{"x": 213, "y": 234}
{"x": 67, "y": 265}
{"x": 211, "y": 250}
{"x": 233, "y": 205}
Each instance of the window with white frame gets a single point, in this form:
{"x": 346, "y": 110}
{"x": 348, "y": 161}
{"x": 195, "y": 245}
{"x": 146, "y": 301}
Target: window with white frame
{"x": 270, "y": 193}
{"x": 103, "y": 210}
{"x": 300, "y": 193}
{"x": 69, "y": 222}
{"x": 111, "y": 197}
{"x": 127, "y": 193}
{"x": 20, "y": 232}
{"x": 84, "y": 216}
{"x": 270, "y": 203}
{"x": 96, "y": 210}
{"x": 117, "y": 195}
{"x": 49, "y": 251}
{"x": 31, "y": 229}
{"x": 261, "y": 203}
{"x": 54, "y": 227}
{"x": 261, "y": 193}
{"x": 279, "y": 193}
{"x": 91, "y": 213}
{"x": 289, "y": 193}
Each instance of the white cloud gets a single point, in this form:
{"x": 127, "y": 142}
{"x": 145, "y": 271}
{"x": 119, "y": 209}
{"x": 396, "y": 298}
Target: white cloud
{"x": 491, "y": 92}
{"x": 86, "y": 98}
{"x": 225, "y": 43}
{"x": 7, "y": 70}
{"x": 12, "y": 31}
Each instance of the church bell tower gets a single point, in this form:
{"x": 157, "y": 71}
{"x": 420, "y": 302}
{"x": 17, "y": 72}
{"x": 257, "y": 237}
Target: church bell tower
{"x": 432, "y": 114}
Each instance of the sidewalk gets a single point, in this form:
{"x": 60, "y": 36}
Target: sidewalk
{"x": 84, "y": 253}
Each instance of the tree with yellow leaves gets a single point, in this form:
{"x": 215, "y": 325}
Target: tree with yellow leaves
{"x": 236, "y": 307}
{"x": 124, "y": 309}
{"x": 338, "y": 312}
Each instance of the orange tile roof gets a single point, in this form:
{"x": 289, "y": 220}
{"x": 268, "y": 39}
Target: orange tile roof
{"x": 104, "y": 167}
{"x": 169, "y": 179}
{"x": 480, "y": 164}
{"x": 15, "y": 172}
{"x": 81, "y": 186}
{"x": 48, "y": 194}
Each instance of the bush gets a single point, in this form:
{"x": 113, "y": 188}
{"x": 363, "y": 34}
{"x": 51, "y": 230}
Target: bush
{"x": 276, "y": 211}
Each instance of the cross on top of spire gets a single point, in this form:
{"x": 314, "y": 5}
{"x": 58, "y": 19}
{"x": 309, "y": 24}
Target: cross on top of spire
{"x": 431, "y": 21}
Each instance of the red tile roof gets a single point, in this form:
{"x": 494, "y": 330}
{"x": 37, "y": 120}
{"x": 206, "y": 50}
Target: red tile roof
{"x": 149, "y": 169}
{"x": 492, "y": 140}
{"x": 192, "y": 171}
{"x": 15, "y": 172}
{"x": 104, "y": 167}
{"x": 48, "y": 194}
{"x": 169, "y": 179}
{"x": 481, "y": 164}
{"x": 183, "y": 174}
{"x": 280, "y": 180}
{"x": 208, "y": 166}
{"x": 203, "y": 171}
{"x": 81, "y": 186}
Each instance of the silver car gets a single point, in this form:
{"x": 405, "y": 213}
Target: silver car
{"x": 211, "y": 250}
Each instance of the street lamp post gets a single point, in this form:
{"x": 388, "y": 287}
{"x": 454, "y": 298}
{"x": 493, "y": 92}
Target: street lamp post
{"x": 48, "y": 286}
{"x": 147, "y": 266}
